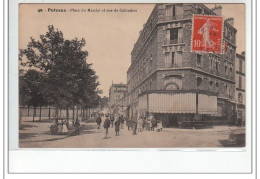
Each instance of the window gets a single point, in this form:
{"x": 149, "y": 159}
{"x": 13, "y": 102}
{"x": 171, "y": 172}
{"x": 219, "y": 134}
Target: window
{"x": 200, "y": 11}
{"x": 217, "y": 66}
{"x": 170, "y": 11}
{"x": 151, "y": 57}
{"x": 240, "y": 66}
{"x": 199, "y": 80}
{"x": 199, "y": 60}
{"x": 226, "y": 68}
{"x": 151, "y": 23}
{"x": 231, "y": 69}
{"x": 226, "y": 88}
{"x": 173, "y": 10}
{"x": 240, "y": 82}
{"x": 174, "y": 36}
{"x": 217, "y": 84}
{"x": 179, "y": 59}
{"x": 168, "y": 60}
{"x": 173, "y": 59}
{"x": 211, "y": 64}
{"x": 240, "y": 98}
{"x": 211, "y": 84}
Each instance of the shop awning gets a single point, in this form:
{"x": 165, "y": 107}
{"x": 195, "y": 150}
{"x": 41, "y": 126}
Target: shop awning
{"x": 207, "y": 104}
{"x": 178, "y": 102}
{"x": 172, "y": 102}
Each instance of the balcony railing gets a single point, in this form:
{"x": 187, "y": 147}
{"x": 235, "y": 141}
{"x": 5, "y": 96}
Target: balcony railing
{"x": 175, "y": 41}
{"x": 181, "y": 16}
{"x": 170, "y": 65}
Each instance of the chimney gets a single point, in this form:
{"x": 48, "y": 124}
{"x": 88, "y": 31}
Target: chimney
{"x": 230, "y": 20}
{"x": 217, "y": 10}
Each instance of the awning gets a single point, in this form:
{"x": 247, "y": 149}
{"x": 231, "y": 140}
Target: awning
{"x": 207, "y": 104}
{"x": 178, "y": 102}
{"x": 172, "y": 102}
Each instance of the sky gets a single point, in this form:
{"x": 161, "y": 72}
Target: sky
{"x": 110, "y": 36}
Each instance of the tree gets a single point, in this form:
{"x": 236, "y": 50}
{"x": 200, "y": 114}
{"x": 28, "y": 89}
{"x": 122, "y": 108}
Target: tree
{"x": 68, "y": 79}
{"x": 31, "y": 90}
{"x": 104, "y": 102}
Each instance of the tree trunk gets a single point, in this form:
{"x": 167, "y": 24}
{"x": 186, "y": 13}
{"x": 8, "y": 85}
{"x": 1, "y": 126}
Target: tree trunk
{"x": 49, "y": 115}
{"x": 28, "y": 111}
{"x": 56, "y": 113}
{"x": 83, "y": 114}
{"x": 60, "y": 112}
{"x": 77, "y": 117}
{"x": 73, "y": 115}
{"x": 34, "y": 113}
{"x": 40, "y": 118}
{"x": 67, "y": 115}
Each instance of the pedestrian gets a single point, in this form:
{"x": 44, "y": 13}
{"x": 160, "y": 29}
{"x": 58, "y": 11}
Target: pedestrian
{"x": 106, "y": 126}
{"x": 160, "y": 126}
{"x": 134, "y": 124}
{"x": 64, "y": 127}
{"x": 139, "y": 124}
{"x": 129, "y": 124}
{"x": 98, "y": 121}
{"x": 117, "y": 126}
{"x": 153, "y": 122}
{"x": 112, "y": 119}
{"x": 122, "y": 121}
{"x": 144, "y": 122}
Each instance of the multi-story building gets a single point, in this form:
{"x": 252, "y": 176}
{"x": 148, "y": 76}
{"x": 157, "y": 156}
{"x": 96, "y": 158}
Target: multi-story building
{"x": 176, "y": 85}
{"x": 240, "y": 87}
{"x": 116, "y": 93}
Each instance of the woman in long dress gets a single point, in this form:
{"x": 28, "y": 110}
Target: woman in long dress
{"x": 64, "y": 127}
{"x": 139, "y": 124}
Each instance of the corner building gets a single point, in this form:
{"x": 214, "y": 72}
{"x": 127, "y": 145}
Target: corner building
{"x": 116, "y": 93}
{"x": 180, "y": 87}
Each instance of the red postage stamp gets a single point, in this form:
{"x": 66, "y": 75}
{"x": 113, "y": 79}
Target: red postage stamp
{"x": 207, "y": 34}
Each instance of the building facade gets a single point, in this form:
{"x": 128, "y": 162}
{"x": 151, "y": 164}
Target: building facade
{"x": 176, "y": 85}
{"x": 240, "y": 88}
{"x": 117, "y": 92}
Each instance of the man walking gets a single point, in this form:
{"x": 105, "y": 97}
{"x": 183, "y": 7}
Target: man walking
{"x": 153, "y": 122}
{"x": 117, "y": 126}
{"x": 112, "y": 119}
{"x": 122, "y": 121}
{"x": 98, "y": 121}
{"x": 106, "y": 126}
{"x": 134, "y": 124}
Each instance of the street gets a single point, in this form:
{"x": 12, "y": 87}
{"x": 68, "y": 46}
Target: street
{"x": 37, "y": 135}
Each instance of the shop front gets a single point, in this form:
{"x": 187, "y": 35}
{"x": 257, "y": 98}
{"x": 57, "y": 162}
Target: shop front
{"x": 183, "y": 109}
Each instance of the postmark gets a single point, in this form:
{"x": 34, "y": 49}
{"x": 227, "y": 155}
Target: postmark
{"x": 207, "y": 34}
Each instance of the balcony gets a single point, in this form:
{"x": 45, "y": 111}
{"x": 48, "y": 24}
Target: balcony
{"x": 170, "y": 65}
{"x": 173, "y": 42}
{"x": 178, "y": 17}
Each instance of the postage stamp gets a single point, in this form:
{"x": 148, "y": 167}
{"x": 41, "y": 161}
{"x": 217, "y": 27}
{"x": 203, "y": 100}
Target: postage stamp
{"x": 207, "y": 33}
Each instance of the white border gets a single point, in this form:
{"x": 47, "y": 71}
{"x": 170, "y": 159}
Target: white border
{"x": 163, "y": 161}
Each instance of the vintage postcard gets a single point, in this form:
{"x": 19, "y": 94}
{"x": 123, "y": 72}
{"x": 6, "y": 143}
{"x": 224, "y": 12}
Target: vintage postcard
{"x": 132, "y": 75}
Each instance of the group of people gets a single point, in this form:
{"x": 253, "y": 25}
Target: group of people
{"x": 142, "y": 122}
{"x": 136, "y": 123}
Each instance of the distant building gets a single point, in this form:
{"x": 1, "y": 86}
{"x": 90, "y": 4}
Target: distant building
{"x": 116, "y": 94}
{"x": 176, "y": 85}
{"x": 240, "y": 87}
